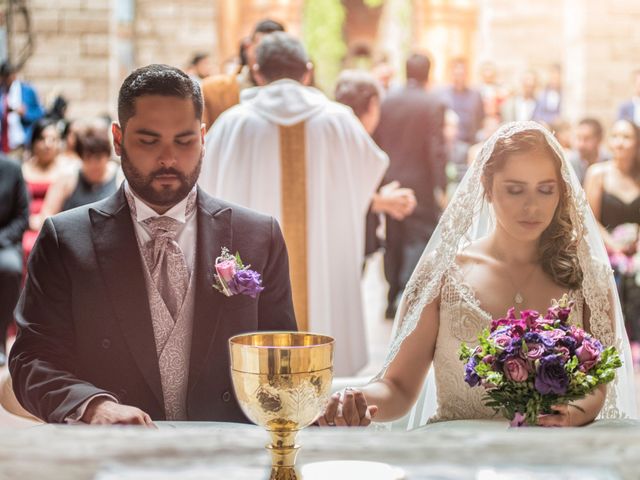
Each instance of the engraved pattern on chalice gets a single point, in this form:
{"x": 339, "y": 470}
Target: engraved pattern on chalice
{"x": 282, "y": 382}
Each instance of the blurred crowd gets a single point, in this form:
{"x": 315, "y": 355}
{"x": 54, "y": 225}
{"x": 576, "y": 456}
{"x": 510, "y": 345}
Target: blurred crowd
{"x": 430, "y": 134}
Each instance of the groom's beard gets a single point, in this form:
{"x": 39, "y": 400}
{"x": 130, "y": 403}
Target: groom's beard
{"x": 142, "y": 184}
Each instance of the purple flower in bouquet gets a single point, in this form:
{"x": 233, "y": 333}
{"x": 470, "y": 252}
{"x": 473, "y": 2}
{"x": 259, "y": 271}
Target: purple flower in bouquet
{"x": 246, "y": 282}
{"x": 470, "y": 375}
{"x": 553, "y": 335}
{"x": 538, "y": 337}
{"x": 588, "y": 354}
{"x": 551, "y": 377}
{"x": 516, "y": 369}
{"x": 569, "y": 342}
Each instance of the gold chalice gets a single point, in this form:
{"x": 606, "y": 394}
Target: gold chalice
{"x": 282, "y": 381}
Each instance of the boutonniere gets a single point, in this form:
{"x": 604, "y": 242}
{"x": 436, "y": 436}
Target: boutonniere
{"x": 232, "y": 277}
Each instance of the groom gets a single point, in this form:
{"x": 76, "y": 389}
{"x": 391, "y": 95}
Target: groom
{"x": 119, "y": 321}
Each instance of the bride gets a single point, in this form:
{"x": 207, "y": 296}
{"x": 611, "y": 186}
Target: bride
{"x": 518, "y": 232}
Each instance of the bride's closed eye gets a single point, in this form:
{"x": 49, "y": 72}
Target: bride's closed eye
{"x": 547, "y": 189}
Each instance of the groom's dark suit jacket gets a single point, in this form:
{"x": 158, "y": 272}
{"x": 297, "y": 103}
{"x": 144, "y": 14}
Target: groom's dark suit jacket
{"x": 84, "y": 320}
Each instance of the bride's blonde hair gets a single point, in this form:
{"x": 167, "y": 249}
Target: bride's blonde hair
{"x": 558, "y": 248}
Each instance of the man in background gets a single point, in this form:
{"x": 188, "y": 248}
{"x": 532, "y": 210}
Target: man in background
{"x": 221, "y": 92}
{"x": 587, "y": 147}
{"x": 411, "y": 133}
{"x": 19, "y": 110}
{"x": 290, "y": 152}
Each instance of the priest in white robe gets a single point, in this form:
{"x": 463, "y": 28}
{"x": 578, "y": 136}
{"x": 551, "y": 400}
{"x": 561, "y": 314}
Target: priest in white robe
{"x": 288, "y": 151}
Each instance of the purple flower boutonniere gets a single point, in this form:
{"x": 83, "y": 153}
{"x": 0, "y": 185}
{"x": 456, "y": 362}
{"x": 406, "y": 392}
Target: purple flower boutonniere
{"x": 232, "y": 277}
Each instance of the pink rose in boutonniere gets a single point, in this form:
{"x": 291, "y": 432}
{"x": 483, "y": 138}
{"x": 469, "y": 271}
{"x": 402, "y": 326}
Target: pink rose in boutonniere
{"x": 233, "y": 278}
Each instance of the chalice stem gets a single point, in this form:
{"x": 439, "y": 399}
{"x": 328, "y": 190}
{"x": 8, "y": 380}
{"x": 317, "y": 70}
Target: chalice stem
{"x": 283, "y": 450}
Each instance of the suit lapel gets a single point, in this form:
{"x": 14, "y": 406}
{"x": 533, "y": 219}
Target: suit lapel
{"x": 214, "y": 232}
{"x": 119, "y": 259}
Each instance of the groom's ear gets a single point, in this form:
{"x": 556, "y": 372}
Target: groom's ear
{"x": 116, "y": 131}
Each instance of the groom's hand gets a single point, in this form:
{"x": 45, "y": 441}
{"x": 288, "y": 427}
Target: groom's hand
{"x": 103, "y": 411}
{"x": 349, "y": 411}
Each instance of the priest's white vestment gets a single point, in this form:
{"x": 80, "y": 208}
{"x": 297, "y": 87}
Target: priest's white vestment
{"x": 344, "y": 167}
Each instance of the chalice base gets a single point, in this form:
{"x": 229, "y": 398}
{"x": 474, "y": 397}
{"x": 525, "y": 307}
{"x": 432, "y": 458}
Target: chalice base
{"x": 283, "y": 456}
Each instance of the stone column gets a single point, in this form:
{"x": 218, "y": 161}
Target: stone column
{"x": 237, "y": 18}
{"x": 445, "y": 29}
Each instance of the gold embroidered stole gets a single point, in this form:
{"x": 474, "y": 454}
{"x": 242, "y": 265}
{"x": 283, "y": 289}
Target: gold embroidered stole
{"x": 293, "y": 167}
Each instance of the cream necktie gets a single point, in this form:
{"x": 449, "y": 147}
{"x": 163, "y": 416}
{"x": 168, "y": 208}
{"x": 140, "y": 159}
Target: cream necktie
{"x": 166, "y": 261}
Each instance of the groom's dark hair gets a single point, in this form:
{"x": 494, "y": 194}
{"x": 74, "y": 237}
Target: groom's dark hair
{"x": 156, "y": 79}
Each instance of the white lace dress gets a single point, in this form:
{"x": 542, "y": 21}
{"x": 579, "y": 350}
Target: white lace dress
{"x": 461, "y": 320}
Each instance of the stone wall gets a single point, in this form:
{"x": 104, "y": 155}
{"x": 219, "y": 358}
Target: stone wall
{"x": 602, "y": 48}
{"x": 83, "y": 51}
{"x": 518, "y": 36}
{"x": 596, "y": 42}
{"x": 74, "y": 53}
{"x": 170, "y": 31}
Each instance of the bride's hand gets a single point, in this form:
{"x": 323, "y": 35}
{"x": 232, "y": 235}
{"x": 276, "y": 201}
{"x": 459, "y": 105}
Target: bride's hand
{"x": 348, "y": 411}
{"x": 562, "y": 417}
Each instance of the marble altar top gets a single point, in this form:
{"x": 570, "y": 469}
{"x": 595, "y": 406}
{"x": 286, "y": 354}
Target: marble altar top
{"x": 453, "y": 450}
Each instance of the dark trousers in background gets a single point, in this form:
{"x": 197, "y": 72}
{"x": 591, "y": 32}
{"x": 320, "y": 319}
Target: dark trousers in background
{"x": 629, "y": 293}
{"x": 10, "y": 277}
{"x": 405, "y": 243}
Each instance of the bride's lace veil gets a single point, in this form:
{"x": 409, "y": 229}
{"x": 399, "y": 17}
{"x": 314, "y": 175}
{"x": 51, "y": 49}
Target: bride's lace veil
{"x": 469, "y": 217}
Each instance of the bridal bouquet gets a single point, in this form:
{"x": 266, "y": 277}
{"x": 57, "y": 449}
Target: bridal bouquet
{"x": 531, "y": 363}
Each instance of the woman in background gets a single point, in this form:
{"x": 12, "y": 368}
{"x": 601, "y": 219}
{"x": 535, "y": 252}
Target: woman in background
{"x": 613, "y": 192}
{"x": 95, "y": 180}
{"x": 40, "y": 171}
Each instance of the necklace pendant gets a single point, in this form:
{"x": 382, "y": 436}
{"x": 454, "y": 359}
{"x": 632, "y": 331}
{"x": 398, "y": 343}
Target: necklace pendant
{"x": 518, "y": 298}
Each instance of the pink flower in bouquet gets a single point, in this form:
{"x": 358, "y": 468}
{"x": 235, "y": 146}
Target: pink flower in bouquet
{"x": 507, "y": 326}
{"x": 535, "y": 351}
{"x": 502, "y": 340}
{"x": 588, "y": 355}
{"x": 625, "y": 234}
{"x": 226, "y": 270}
{"x": 489, "y": 359}
{"x": 516, "y": 369}
{"x": 564, "y": 353}
{"x": 577, "y": 333}
{"x": 506, "y": 321}
{"x": 530, "y": 318}
{"x": 540, "y": 322}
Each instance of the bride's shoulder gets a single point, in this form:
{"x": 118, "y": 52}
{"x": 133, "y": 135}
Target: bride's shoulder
{"x": 474, "y": 254}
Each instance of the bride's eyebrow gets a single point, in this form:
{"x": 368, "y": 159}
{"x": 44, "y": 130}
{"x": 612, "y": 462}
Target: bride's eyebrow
{"x": 520, "y": 182}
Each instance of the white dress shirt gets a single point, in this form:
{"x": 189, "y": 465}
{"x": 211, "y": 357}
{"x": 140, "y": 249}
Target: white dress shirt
{"x": 185, "y": 238}
{"x": 186, "y": 235}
